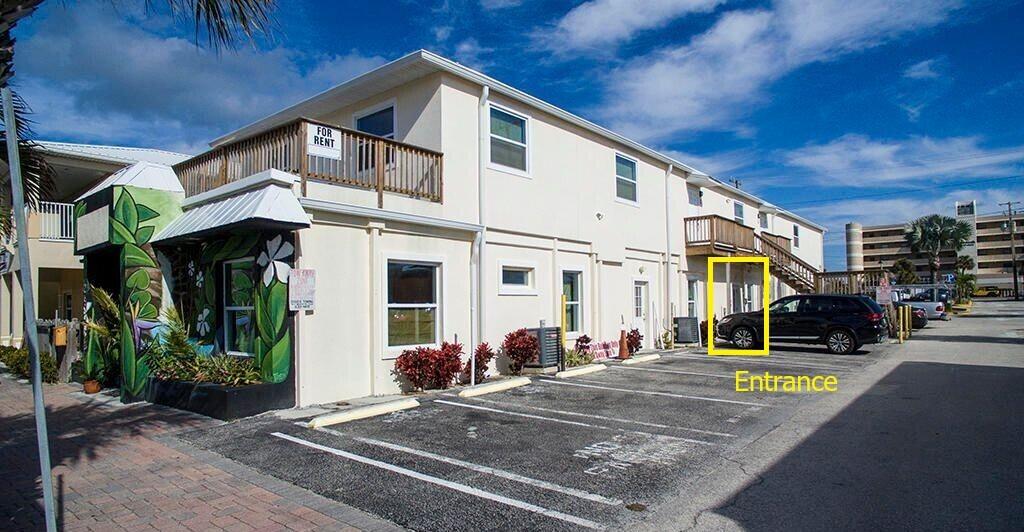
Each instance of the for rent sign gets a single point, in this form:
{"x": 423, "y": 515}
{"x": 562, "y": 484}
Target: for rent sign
{"x": 323, "y": 141}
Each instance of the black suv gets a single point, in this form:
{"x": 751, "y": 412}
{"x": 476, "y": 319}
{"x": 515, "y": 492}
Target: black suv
{"x": 843, "y": 323}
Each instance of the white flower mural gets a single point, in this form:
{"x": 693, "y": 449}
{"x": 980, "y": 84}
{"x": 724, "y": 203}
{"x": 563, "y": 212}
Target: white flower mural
{"x": 271, "y": 259}
{"x": 191, "y": 268}
{"x": 199, "y": 280}
{"x": 202, "y": 323}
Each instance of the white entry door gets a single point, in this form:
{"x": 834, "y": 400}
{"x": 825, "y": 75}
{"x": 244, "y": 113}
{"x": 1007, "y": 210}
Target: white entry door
{"x": 641, "y": 306}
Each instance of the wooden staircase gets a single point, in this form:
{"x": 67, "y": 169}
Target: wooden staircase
{"x": 796, "y": 273}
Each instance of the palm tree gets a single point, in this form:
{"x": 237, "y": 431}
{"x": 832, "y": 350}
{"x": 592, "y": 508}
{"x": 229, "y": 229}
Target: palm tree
{"x": 964, "y": 264}
{"x": 931, "y": 235}
{"x": 223, "y": 22}
{"x": 903, "y": 269}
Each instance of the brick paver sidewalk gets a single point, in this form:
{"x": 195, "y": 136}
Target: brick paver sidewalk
{"x": 118, "y": 468}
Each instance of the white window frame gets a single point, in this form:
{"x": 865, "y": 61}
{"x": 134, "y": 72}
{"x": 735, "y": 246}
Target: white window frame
{"x": 636, "y": 179}
{"x": 762, "y": 220}
{"x": 226, "y": 288}
{"x": 581, "y": 316}
{"x": 695, "y": 300}
{"x": 390, "y": 352}
{"x": 527, "y": 127}
{"x": 743, "y": 212}
{"x": 392, "y": 103}
{"x": 515, "y": 289}
{"x": 796, "y": 235}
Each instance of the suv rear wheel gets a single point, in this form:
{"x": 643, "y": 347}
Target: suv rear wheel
{"x": 743, "y": 337}
{"x": 840, "y": 342}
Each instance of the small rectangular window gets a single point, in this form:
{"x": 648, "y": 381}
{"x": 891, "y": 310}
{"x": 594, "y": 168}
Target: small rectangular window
{"x": 762, "y": 218}
{"x": 412, "y": 293}
{"x": 571, "y": 291}
{"x": 239, "y": 319}
{"x": 625, "y": 178}
{"x": 737, "y": 211}
{"x": 691, "y": 298}
{"x": 380, "y": 123}
{"x": 796, "y": 236}
{"x": 515, "y": 276}
{"x": 508, "y": 140}
{"x": 693, "y": 195}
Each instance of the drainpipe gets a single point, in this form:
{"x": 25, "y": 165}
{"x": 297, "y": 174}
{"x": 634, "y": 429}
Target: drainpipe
{"x": 480, "y": 242}
{"x": 667, "y": 309}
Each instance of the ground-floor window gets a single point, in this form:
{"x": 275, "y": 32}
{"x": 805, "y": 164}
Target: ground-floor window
{"x": 413, "y": 302}
{"x": 691, "y": 297}
{"x": 239, "y": 319}
{"x": 571, "y": 291}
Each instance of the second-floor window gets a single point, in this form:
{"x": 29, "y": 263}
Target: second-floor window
{"x": 380, "y": 123}
{"x": 625, "y": 178}
{"x": 796, "y": 236}
{"x": 762, "y": 218}
{"x": 737, "y": 211}
{"x": 508, "y": 140}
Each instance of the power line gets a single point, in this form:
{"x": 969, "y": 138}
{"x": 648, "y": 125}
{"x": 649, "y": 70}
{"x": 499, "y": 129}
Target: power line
{"x": 903, "y": 191}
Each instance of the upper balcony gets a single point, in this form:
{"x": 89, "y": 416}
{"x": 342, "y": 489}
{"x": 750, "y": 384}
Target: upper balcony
{"x": 713, "y": 235}
{"x": 322, "y": 152}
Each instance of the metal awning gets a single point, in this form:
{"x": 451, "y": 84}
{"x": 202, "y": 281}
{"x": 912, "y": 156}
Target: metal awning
{"x": 268, "y": 206}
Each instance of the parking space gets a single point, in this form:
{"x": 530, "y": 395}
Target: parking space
{"x": 593, "y": 452}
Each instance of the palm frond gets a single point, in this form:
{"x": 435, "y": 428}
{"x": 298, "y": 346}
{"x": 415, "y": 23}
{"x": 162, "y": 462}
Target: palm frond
{"x": 224, "y": 21}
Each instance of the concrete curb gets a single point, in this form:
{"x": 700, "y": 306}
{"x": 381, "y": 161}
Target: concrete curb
{"x": 639, "y": 359}
{"x": 491, "y": 387}
{"x": 362, "y": 412}
{"x": 583, "y": 370}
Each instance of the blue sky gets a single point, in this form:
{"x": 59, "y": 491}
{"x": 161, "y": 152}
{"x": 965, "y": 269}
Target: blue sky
{"x": 871, "y": 111}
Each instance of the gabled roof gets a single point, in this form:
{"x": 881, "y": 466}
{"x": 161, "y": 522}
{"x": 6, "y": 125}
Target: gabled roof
{"x": 422, "y": 63}
{"x": 113, "y": 154}
{"x": 142, "y": 175}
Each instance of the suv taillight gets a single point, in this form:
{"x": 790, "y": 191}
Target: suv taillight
{"x": 939, "y": 308}
{"x": 875, "y": 316}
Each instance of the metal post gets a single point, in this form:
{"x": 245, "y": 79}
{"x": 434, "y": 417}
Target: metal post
{"x": 31, "y": 335}
{"x": 1013, "y": 247}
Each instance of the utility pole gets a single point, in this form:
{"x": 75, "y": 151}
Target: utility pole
{"x": 31, "y": 332}
{"x": 1013, "y": 246}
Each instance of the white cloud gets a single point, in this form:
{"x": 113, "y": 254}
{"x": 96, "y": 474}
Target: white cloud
{"x": 858, "y": 161}
{"x": 441, "y": 33}
{"x": 90, "y": 73}
{"x": 712, "y": 81}
{"x": 716, "y": 164}
{"x": 927, "y": 69}
{"x": 598, "y": 24}
{"x": 470, "y": 53}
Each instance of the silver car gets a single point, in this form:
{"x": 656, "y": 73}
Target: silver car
{"x": 930, "y": 300}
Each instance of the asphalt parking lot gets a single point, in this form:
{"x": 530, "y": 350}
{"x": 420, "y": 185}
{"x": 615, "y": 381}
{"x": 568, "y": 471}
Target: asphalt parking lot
{"x": 593, "y": 452}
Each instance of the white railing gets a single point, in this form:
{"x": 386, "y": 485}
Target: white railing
{"x": 56, "y": 221}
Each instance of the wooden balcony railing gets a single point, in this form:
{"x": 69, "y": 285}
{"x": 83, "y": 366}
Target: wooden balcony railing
{"x": 778, "y": 240}
{"x": 859, "y": 282}
{"x": 360, "y": 160}
{"x": 714, "y": 235}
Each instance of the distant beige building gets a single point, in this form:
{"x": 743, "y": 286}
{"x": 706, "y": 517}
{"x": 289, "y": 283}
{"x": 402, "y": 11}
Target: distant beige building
{"x": 879, "y": 246}
{"x": 57, "y": 272}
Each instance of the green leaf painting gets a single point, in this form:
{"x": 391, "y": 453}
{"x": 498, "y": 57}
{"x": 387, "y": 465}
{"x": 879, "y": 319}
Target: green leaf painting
{"x": 135, "y": 256}
{"x": 138, "y": 280}
{"x": 143, "y": 235}
{"x": 145, "y": 213}
{"x": 125, "y": 211}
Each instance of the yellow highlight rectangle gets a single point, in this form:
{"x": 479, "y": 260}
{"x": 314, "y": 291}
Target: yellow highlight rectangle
{"x": 765, "y": 291}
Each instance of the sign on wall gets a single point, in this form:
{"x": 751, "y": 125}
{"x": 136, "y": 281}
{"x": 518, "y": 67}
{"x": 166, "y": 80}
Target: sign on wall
{"x": 301, "y": 289}
{"x": 883, "y": 294}
{"x": 323, "y": 141}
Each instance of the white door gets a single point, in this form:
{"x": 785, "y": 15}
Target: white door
{"x": 641, "y": 306}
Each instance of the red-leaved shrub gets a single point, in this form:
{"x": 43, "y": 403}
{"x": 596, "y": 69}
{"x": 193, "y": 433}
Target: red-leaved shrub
{"x": 483, "y": 354}
{"x": 633, "y": 341}
{"x": 416, "y": 366}
{"x": 582, "y": 344}
{"x": 520, "y": 347}
{"x": 446, "y": 365}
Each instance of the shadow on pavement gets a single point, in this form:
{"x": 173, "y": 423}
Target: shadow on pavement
{"x": 969, "y": 339}
{"x": 930, "y": 447}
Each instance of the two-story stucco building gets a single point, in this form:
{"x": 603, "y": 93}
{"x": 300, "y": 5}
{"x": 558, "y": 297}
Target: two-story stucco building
{"x": 434, "y": 202}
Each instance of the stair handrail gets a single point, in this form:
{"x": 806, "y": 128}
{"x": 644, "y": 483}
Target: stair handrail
{"x": 787, "y": 260}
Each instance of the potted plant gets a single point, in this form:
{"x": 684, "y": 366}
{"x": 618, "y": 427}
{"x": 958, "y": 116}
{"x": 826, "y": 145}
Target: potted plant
{"x": 91, "y": 383}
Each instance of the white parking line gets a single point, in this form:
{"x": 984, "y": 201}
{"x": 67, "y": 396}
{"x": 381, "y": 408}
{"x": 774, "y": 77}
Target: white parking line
{"x": 593, "y": 497}
{"x": 645, "y": 392}
{"x": 568, "y": 422}
{"x": 677, "y": 372}
{"x": 462, "y": 488}
{"x": 606, "y": 418}
{"x": 754, "y": 360}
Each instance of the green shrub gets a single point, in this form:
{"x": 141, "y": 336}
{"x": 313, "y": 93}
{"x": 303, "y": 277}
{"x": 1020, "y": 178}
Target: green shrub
{"x": 575, "y": 357}
{"x": 174, "y": 357}
{"x": 7, "y": 353}
{"x": 20, "y": 364}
